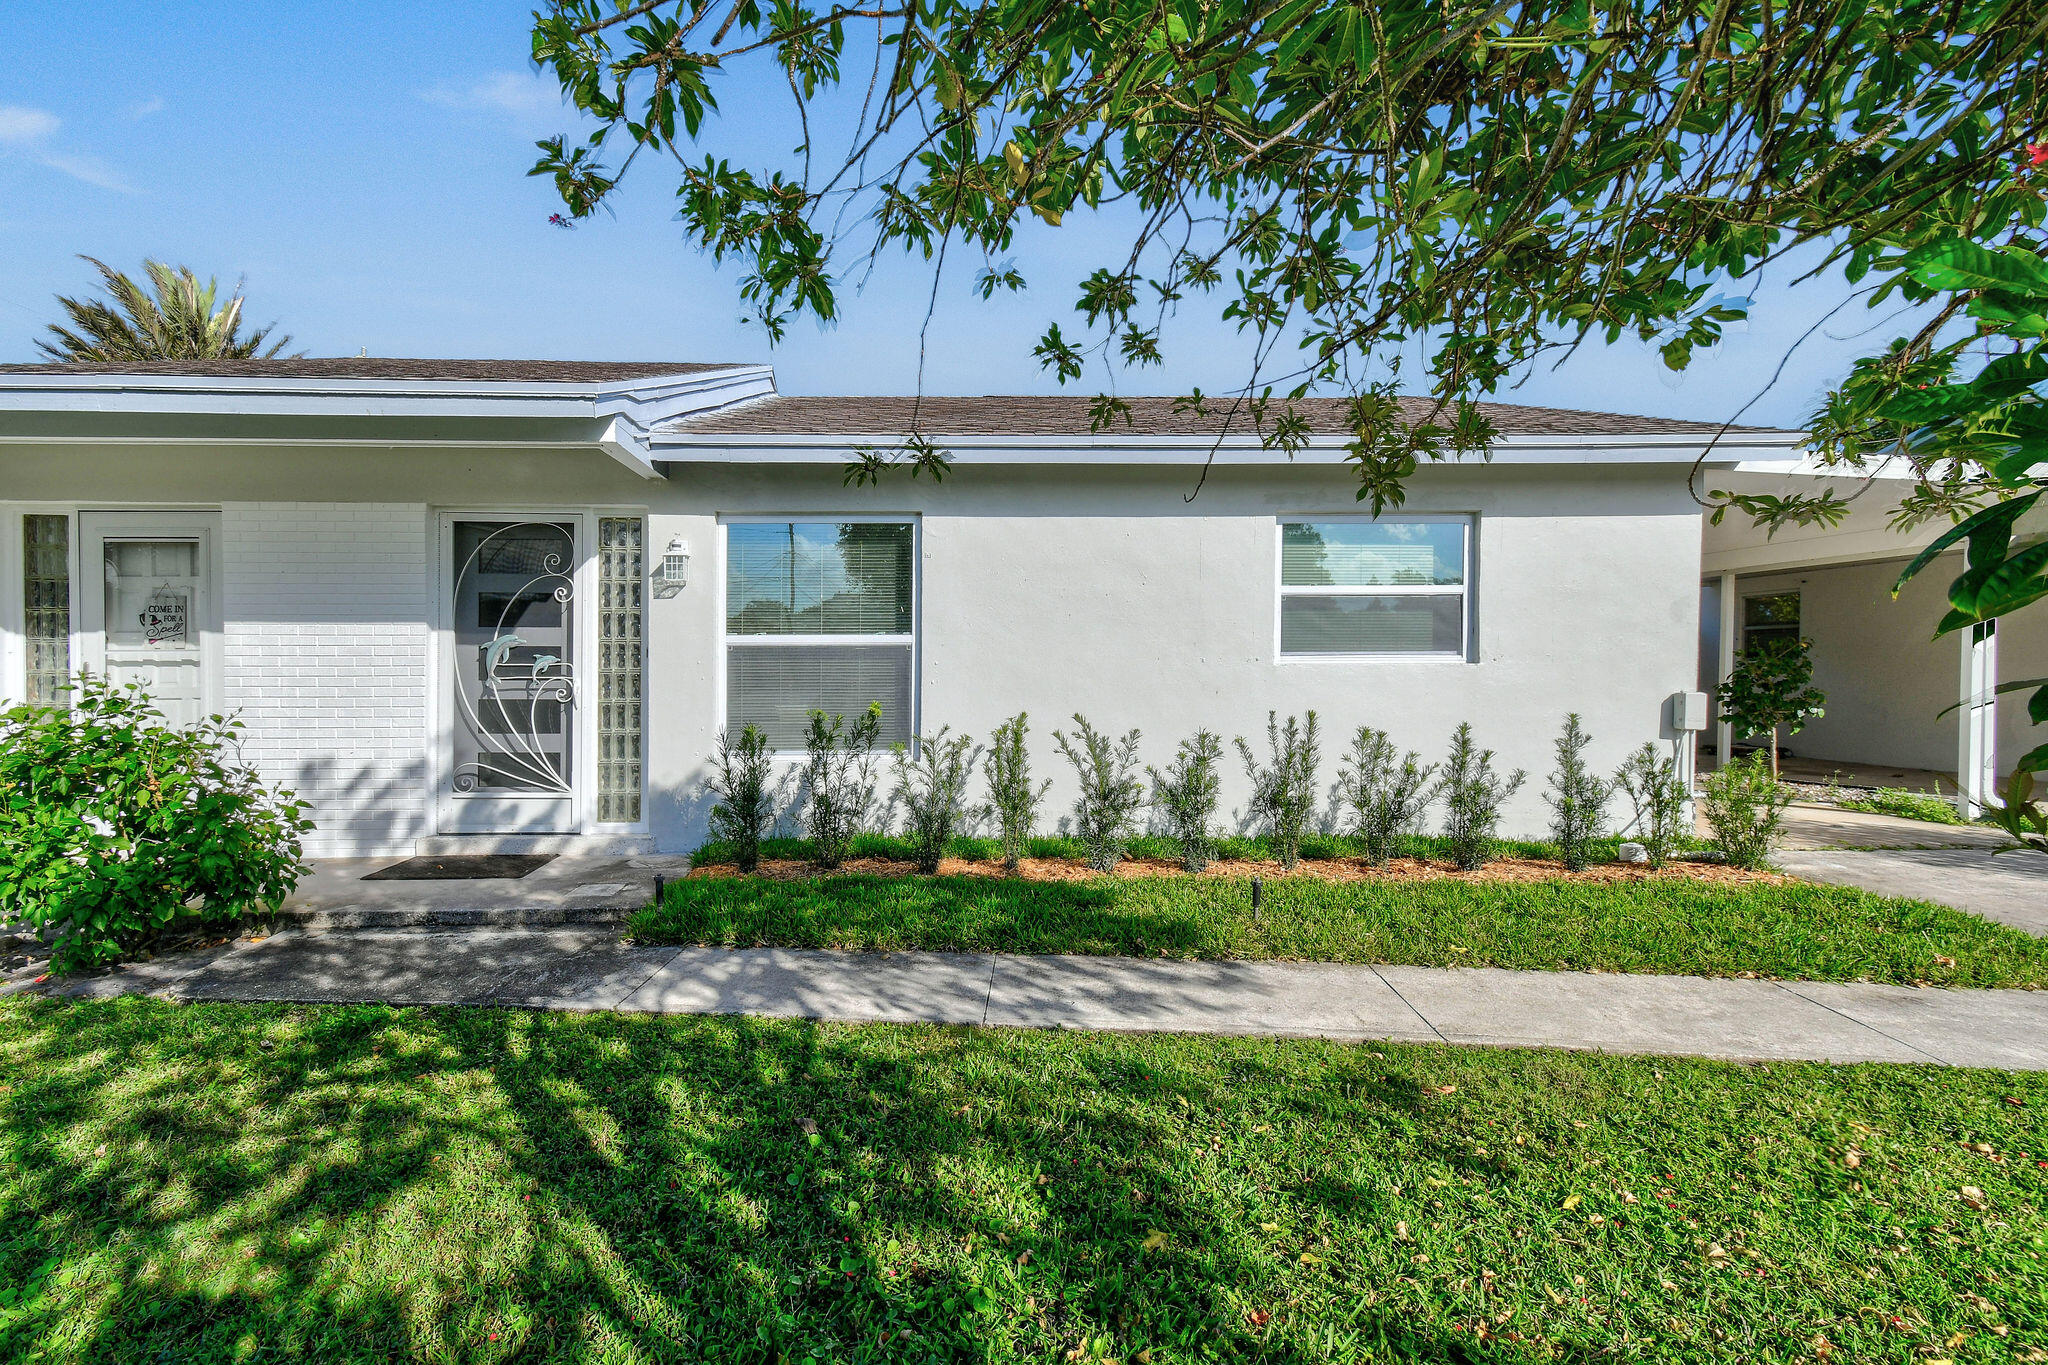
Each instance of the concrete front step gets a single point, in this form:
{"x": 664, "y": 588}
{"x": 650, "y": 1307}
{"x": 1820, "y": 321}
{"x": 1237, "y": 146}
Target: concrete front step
{"x": 570, "y": 845}
{"x": 443, "y": 916}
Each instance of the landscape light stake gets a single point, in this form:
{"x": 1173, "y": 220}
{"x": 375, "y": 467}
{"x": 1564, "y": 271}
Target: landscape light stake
{"x": 660, "y": 883}
{"x": 1257, "y": 887}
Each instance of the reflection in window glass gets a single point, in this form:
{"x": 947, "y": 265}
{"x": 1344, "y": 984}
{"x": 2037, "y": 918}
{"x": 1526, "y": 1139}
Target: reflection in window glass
{"x": 1379, "y": 587}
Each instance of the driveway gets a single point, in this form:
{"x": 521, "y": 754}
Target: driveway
{"x": 2011, "y": 888}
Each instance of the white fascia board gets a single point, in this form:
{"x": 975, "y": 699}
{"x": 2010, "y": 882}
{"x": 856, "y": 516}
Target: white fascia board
{"x": 651, "y": 399}
{"x": 627, "y": 444}
{"x": 1769, "y": 449}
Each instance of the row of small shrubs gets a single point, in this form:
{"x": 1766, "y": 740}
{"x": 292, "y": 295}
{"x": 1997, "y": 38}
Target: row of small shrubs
{"x": 1382, "y": 794}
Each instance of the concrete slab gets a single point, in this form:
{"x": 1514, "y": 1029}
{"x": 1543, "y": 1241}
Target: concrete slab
{"x": 2007, "y": 1030}
{"x": 1289, "y": 998}
{"x": 333, "y": 895}
{"x": 596, "y": 977}
{"x": 1816, "y": 826}
{"x": 1699, "y": 1016}
{"x": 2011, "y": 888}
{"x": 158, "y": 976}
{"x": 940, "y": 988}
{"x": 400, "y": 966}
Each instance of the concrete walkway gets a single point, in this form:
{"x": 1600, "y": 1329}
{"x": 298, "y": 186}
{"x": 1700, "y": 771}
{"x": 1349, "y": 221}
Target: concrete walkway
{"x": 592, "y": 969}
{"x": 2011, "y": 888}
{"x": 1809, "y": 825}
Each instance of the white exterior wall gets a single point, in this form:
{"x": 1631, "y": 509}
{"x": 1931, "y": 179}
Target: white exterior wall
{"x": 1886, "y": 678}
{"x": 1048, "y": 589}
{"x": 324, "y": 615}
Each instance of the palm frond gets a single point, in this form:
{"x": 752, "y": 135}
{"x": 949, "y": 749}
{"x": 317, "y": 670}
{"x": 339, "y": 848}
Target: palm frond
{"x": 174, "y": 317}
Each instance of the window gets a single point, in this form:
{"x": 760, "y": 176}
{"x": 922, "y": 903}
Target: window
{"x": 1772, "y": 617}
{"x": 1375, "y": 587}
{"x": 819, "y": 616}
{"x": 47, "y": 581}
{"x": 620, "y": 583}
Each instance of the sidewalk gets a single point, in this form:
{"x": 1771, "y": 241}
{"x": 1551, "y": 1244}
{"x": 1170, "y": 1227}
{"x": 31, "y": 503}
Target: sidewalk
{"x": 592, "y": 969}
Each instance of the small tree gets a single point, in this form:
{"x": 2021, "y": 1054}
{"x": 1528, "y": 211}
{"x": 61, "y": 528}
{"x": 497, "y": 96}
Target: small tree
{"x": 1745, "y": 807}
{"x": 1770, "y": 686}
{"x": 1473, "y": 795}
{"x": 839, "y": 781}
{"x": 115, "y": 825}
{"x": 1284, "y": 787}
{"x": 1105, "y": 812}
{"x": 740, "y": 784}
{"x": 932, "y": 788}
{"x": 1651, "y": 783}
{"x": 1385, "y": 794}
{"x": 1012, "y": 797}
{"x": 1578, "y": 799}
{"x": 1186, "y": 794}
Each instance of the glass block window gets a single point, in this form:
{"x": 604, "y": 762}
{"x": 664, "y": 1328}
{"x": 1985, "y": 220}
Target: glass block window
{"x": 819, "y": 617}
{"x": 621, "y": 579}
{"x": 1388, "y": 586}
{"x": 47, "y": 580}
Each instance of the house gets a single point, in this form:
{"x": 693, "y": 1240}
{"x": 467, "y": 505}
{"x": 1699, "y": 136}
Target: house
{"x": 1903, "y": 708}
{"x": 502, "y": 604}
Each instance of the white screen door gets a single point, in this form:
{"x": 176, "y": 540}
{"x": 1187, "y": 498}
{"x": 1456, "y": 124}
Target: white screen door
{"x": 149, "y": 610}
{"x": 509, "y": 686}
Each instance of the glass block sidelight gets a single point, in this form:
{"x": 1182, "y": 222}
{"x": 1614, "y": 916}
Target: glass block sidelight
{"x": 47, "y": 580}
{"x": 620, "y": 585}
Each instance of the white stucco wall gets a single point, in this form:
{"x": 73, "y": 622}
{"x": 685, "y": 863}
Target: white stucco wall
{"x": 1886, "y": 677}
{"x": 324, "y": 622}
{"x": 1044, "y": 589}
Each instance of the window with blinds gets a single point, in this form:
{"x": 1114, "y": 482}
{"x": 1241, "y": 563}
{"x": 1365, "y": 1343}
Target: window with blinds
{"x": 1389, "y": 586}
{"x": 819, "y": 616}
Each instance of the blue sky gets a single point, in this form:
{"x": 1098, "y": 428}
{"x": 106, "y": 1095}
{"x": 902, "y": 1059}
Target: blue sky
{"x": 363, "y": 166}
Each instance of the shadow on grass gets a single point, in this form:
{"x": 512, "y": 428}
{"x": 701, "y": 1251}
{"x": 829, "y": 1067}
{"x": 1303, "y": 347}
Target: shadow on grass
{"x": 228, "y": 1182}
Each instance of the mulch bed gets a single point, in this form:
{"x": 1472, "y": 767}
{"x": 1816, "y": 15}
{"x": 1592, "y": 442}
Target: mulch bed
{"x": 1320, "y": 869}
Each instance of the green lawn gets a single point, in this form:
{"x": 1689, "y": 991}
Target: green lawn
{"x": 255, "y": 1183}
{"x": 1795, "y": 931}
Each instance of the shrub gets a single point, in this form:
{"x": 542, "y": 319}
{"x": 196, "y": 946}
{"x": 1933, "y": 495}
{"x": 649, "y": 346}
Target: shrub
{"x": 1105, "y": 813}
{"x": 1473, "y": 795}
{"x": 1578, "y": 799}
{"x": 1651, "y": 783}
{"x": 1186, "y": 794}
{"x": 1770, "y": 686}
{"x": 1284, "y": 787}
{"x": 1745, "y": 807}
{"x": 1012, "y": 798}
{"x": 839, "y": 781}
{"x": 1386, "y": 797}
{"x": 114, "y": 825}
{"x": 932, "y": 789}
{"x": 743, "y": 807}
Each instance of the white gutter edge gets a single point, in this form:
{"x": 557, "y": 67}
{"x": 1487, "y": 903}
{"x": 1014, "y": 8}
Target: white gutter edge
{"x": 627, "y": 444}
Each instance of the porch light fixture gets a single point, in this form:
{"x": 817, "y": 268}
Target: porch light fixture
{"x": 675, "y": 564}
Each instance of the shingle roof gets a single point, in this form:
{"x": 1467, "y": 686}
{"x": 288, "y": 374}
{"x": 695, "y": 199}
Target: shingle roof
{"x": 1065, "y": 415}
{"x": 382, "y": 367}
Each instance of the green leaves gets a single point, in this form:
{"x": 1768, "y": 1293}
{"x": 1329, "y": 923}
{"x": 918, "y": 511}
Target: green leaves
{"x": 1958, "y": 263}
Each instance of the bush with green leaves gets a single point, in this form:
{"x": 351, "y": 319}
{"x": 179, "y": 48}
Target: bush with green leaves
{"x": 1106, "y": 810}
{"x": 1473, "y": 795}
{"x": 839, "y": 781}
{"x": 1186, "y": 795}
{"x": 1385, "y": 792}
{"x": 115, "y": 825}
{"x": 742, "y": 804}
{"x": 1578, "y": 798}
{"x": 1771, "y": 688}
{"x": 1745, "y": 807}
{"x": 1654, "y": 789}
{"x": 1012, "y": 796}
{"x": 1283, "y": 795}
{"x": 931, "y": 786}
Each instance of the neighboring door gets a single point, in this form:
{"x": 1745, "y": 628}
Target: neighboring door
{"x": 154, "y": 616}
{"x": 509, "y": 666}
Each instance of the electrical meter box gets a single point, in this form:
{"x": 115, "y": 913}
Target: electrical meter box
{"x": 1688, "y": 710}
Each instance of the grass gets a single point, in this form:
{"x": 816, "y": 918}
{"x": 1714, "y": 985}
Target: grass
{"x": 1795, "y": 930}
{"x": 1931, "y": 807}
{"x": 255, "y": 1183}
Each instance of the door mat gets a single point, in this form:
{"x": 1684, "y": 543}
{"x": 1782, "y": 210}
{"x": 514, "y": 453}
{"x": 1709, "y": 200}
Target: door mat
{"x": 462, "y": 867}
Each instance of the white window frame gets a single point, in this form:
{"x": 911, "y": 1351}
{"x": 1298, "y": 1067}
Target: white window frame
{"x": 915, "y": 639}
{"x": 1464, "y": 589}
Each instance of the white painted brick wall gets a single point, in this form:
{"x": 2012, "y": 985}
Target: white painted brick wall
{"x": 324, "y": 612}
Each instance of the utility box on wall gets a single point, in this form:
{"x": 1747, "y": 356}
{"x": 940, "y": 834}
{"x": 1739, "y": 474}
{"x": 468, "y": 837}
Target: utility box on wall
{"x": 1688, "y": 711}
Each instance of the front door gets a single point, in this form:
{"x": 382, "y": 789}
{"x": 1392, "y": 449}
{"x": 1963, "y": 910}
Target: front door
{"x": 153, "y": 617}
{"x": 509, "y": 685}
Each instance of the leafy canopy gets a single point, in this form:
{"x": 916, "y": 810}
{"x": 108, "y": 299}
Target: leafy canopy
{"x": 1495, "y": 183}
{"x": 175, "y": 318}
